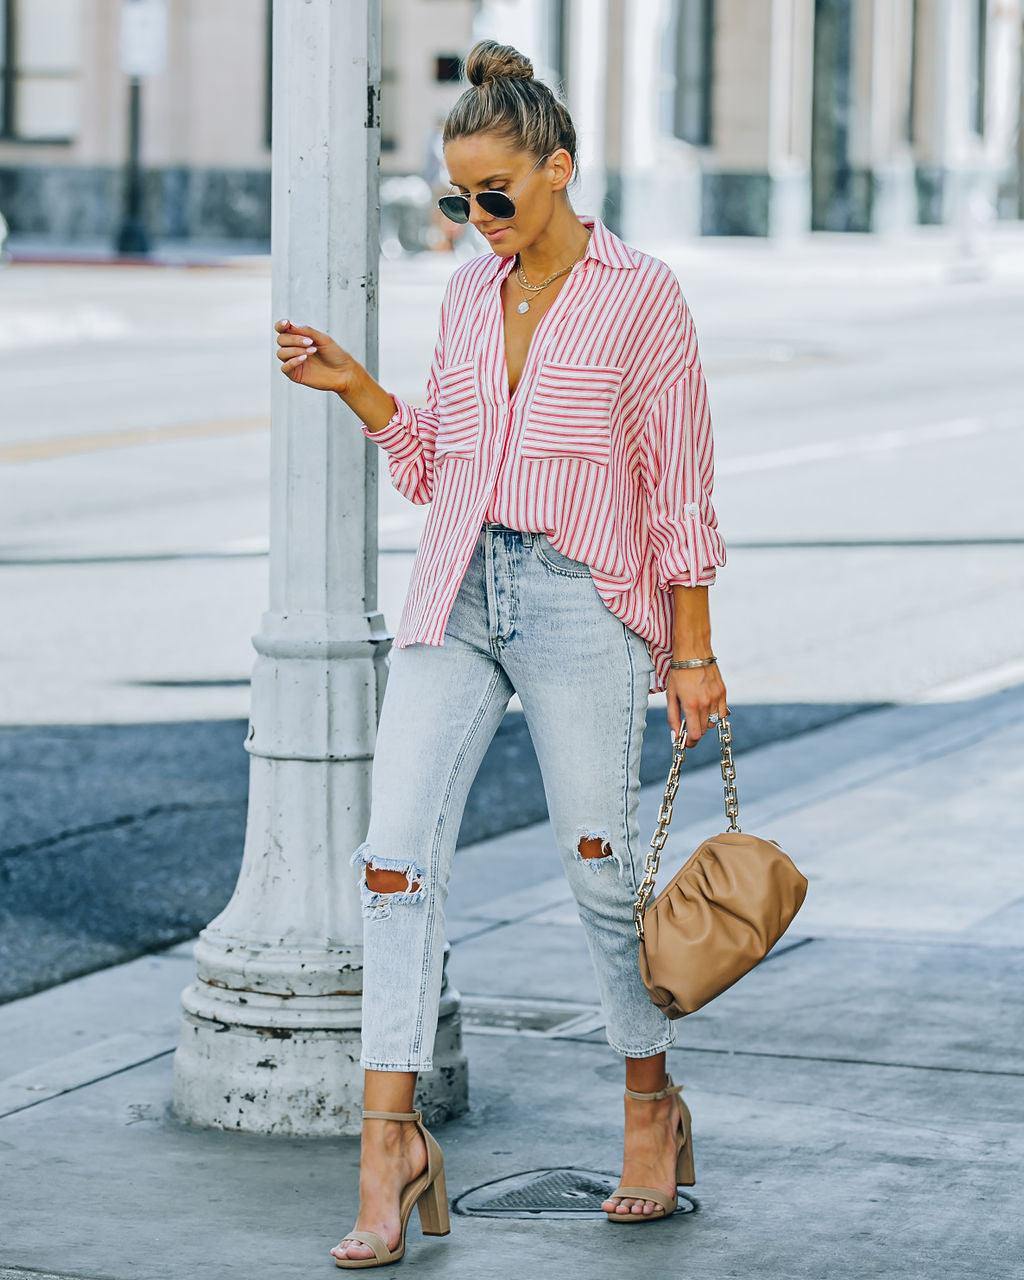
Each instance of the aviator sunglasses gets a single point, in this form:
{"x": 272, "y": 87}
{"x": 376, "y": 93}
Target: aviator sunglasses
{"x": 496, "y": 203}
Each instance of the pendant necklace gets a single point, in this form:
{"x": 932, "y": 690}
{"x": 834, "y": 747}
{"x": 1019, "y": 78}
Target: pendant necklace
{"x": 524, "y": 284}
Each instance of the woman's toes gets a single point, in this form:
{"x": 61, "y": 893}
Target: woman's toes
{"x": 351, "y": 1249}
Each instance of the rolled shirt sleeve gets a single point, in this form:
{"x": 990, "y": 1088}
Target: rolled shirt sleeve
{"x": 678, "y": 468}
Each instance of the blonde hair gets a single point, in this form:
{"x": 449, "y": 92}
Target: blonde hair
{"x": 504, "y": 98}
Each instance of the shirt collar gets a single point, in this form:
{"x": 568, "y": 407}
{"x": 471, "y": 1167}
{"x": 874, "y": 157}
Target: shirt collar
{"x": 605, "y": 246}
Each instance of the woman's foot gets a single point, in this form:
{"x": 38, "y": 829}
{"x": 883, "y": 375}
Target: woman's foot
{"x": 393, "y": 1154}
{"x": 650, "y": 1154}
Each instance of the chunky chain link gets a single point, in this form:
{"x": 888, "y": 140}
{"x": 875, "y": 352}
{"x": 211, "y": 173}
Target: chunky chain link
{"x": 732, "y": 804}
{"x": 732, "y": 811}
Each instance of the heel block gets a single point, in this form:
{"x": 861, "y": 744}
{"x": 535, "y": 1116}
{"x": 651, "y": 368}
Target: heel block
{"x": 433, "y": 1208}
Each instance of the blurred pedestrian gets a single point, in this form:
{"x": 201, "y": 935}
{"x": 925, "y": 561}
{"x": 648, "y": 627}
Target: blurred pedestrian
{"x": 566, "y": 453}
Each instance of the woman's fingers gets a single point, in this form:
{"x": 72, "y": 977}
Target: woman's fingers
{"x": 294, "y": 349}
{"x": 693, "y": 712}
{"x": 294, "y": 365}
{"x": 300, "y": 331}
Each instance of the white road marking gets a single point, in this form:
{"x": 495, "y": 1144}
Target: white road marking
{"x": 977, "y": 684}
{"x": 876, "y": 443}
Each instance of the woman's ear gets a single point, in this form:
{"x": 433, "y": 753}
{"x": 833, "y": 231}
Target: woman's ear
{"x": 560, "y": 163}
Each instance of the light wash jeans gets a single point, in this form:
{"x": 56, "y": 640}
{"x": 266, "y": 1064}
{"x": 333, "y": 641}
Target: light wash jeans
{"x": 528, "y": 620}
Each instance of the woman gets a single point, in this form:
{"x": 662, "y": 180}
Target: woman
{"x": 566, "y": 453}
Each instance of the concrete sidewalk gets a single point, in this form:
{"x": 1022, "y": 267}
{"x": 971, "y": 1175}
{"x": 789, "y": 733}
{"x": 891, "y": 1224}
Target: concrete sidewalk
{"x": 858, "y": 1099}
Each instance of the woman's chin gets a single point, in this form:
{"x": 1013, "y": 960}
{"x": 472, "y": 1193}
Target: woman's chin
{"x": 500, "y": 241}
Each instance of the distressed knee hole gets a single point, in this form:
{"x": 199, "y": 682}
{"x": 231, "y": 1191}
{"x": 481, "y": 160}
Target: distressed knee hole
{"x": 595, "y": 849}
{"x": 387, "y": 882}
{"x": 381, "y": 880}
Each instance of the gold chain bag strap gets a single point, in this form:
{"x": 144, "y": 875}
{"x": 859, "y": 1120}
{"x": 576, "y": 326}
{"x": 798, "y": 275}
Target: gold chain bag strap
{"x": 722, "y": 912}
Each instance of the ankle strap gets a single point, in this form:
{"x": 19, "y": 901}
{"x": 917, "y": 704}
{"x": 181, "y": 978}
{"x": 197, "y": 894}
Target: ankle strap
{"x": 668, "y": 1091}
{"x": 413, "y": 1116}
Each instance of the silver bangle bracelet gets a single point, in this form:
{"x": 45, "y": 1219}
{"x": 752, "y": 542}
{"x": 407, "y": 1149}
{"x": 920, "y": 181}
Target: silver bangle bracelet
{"x": 693, "y": 662}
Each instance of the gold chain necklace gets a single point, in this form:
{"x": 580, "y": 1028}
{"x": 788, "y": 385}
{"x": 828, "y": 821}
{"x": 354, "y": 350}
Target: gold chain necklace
{"x": 524, "y": 284}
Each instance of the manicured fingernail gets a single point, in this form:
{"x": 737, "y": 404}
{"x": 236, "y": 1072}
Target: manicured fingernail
{"x": 311, "y": 351}
{"x": 302, "y": 357}
{"x": 307, "y": 342}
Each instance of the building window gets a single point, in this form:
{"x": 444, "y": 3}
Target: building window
{"x": 688, "y": 51}
{"x": 447, "y": 68}
{"x": 40, "y": 54}
{"x": 977, "y": 48}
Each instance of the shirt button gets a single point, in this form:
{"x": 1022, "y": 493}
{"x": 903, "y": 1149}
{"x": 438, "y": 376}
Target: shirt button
{"x": 692, "y": 509}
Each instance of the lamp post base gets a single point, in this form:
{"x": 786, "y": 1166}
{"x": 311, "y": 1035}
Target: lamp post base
{"x": 290, "y": 1065}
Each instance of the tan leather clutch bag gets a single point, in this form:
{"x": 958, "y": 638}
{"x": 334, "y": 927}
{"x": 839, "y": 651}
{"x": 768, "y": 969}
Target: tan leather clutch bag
{"x": 723, "y": 910}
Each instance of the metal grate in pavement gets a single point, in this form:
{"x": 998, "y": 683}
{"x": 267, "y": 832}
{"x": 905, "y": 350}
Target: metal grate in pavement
{"x": 518, "y": 1015}
{"x": 544, "y": 1193}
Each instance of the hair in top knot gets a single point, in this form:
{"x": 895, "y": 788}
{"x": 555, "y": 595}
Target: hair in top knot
{"x": 489, "y": 61}
{"x": 504, "y": 98}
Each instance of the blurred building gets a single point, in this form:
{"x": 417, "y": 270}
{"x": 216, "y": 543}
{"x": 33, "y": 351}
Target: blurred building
{"x": 754, "y": 117}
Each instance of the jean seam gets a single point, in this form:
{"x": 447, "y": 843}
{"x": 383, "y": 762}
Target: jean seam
{"x": 625, "y": 770}
{"x": 667, "y": 1043}
{"x": 420, "y": 1065}
{"x": 559, "y": 569}
{"x": 417, "y": 1041}
{"x": 513, "y": 565}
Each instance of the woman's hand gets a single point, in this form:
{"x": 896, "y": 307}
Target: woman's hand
{"x": 693, "y": 694}
{"x": 314, "y": 359}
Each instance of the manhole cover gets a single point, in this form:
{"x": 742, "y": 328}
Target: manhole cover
{"x": 545, "y": 1193}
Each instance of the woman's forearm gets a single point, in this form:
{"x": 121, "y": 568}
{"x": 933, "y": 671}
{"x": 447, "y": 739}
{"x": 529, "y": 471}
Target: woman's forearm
{"x": 368, "y": 400}
{"x": 691, "y": 623}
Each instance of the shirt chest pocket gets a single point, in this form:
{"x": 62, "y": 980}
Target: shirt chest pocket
{"x": 458, "y": 423}
{"x": 570, "y": 415}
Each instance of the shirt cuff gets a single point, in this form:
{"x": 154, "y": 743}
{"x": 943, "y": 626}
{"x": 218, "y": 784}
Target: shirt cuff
{"x": 694, "y": 556}
{"x": 396, "y": 436}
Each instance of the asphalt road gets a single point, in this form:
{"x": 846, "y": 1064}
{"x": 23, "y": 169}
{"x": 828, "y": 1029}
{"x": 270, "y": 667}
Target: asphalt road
{"x": 866, "y": 396}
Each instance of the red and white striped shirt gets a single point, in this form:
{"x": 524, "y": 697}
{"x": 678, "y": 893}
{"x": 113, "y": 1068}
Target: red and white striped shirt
{"x": 605, "y": 447}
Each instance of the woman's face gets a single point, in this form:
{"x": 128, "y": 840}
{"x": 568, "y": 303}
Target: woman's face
{"x": 485, "y": 162}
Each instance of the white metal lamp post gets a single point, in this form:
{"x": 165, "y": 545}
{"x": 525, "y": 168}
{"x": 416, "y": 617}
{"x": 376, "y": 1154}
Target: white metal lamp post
{"x": 270, "y": 1028}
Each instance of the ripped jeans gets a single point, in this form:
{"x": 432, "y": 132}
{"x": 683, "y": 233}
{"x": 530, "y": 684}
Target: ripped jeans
{"x": 528, "y": 620}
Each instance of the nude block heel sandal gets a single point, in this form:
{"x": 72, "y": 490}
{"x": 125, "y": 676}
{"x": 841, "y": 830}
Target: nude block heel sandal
{"x": 427, "y": 1192}
{"x": 684, "y": 1161}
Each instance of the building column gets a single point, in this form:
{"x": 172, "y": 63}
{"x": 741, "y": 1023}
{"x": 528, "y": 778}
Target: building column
{"x": 587, "y": 53}
{"x": 966, "y": 107}
{"x": 757, "y": 170}
{"x": 656, "y": 174}
{"x": 270, "y": 1028}
{"x": 862, "y": 173}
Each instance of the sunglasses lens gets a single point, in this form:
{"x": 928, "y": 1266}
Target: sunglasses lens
{"x": 497, "y": 204}
{"x": 454, "y": 207}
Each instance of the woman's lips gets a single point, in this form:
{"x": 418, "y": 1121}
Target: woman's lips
{"x": 493, "y": 235}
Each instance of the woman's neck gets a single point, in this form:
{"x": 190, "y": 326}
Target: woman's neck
{"x": 563, "y": 242}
